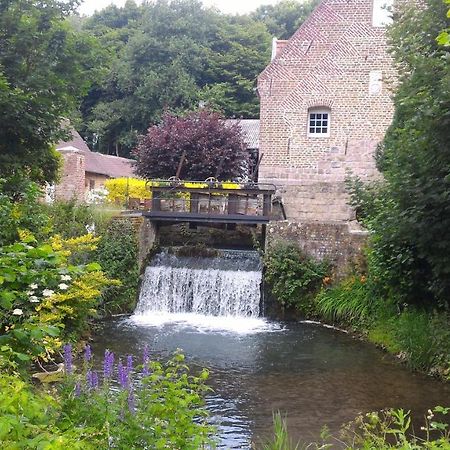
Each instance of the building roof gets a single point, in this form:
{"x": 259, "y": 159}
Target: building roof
{"x": 249, "y": 129}
{"x": 111, "y": 166}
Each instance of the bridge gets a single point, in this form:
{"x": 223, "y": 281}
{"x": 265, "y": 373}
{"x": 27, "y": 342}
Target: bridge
{"x": 209, "y": 201}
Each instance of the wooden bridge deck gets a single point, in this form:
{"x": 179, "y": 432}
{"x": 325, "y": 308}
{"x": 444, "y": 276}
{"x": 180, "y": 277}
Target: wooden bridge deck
{"x": 212, "y": 203}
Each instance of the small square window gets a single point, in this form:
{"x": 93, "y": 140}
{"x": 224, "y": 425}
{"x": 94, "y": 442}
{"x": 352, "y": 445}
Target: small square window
{"x": 319, "y": 124}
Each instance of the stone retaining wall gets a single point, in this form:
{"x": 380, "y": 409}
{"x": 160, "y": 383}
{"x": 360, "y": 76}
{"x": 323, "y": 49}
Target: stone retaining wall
{"x": 340, "y": 243}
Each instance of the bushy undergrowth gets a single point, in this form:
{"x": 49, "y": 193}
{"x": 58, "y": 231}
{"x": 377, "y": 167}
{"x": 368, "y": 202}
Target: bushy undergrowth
{"x": 385, "y": 430}
{"x": 346, "y": 303}
{"x": 111, "y": 409}
{"x": 117, "y": 252}
{"x": 293, "y": 276}
{"x": 44, "y": 295}
{"x": 70, "y": 219}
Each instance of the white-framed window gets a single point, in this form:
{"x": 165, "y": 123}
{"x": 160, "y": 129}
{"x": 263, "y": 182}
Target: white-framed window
{"x": 319, "y": 122}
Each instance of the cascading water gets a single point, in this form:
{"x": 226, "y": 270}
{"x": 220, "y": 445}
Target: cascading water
{"x": 226, "y": 286}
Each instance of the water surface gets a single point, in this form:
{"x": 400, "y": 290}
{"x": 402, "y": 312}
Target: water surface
{"x": 315, "y": 375}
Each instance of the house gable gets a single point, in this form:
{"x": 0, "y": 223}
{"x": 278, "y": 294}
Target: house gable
{"x": 336, "y": 64}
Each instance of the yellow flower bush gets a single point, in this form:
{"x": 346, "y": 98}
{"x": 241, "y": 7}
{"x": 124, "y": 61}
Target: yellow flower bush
{"x": 45, "y": 292}
{"x": 119, "y": 188}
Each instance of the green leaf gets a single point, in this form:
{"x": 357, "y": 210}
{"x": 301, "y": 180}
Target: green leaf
{"x": 93, "y": 267}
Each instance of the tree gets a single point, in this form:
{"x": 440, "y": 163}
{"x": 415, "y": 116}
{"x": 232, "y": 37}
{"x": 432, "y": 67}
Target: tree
{"x": 285, "y": 17}
{"x": 42, "y": 74}
{"x": 411, "y": 223}
{"x": 212, "y": 148}
{"x": 170, "y": 55}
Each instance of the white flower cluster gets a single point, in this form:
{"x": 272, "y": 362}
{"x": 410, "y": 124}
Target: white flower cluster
{"x": 96, "y": 196}
{"x": 45, "y": 292}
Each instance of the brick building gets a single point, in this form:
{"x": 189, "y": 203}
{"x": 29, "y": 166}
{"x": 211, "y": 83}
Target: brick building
{"x": 84, "y": 170}
{"x": 325, "y": 105}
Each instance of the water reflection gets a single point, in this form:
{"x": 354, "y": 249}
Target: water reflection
{"x": 315, "y": 375}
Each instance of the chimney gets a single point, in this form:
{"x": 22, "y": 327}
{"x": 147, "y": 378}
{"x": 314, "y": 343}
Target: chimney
{"x": 277, "y": 46}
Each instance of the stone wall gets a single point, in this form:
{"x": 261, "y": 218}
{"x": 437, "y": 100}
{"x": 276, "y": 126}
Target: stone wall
{"x": 340, "y": 243}
{"x": 72, "y": 177}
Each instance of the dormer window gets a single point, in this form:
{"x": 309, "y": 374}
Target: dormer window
{"x": 382, "y": 13}
{"x": 319, "y": 122}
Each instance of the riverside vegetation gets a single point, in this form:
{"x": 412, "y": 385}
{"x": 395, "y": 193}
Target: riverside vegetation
{"x": 399, "y": 297}
{"x": 52, "y": 289}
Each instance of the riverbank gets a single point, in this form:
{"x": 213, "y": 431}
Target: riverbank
{"x": 416, "y": 335}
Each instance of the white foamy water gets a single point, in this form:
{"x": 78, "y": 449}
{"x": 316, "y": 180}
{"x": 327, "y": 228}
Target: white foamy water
{"x": 209, "y": 294}
{"x": 201, "y": 323}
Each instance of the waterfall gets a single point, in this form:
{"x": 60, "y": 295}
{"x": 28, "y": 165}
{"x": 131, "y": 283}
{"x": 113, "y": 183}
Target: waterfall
{"x": 226, "y": 285}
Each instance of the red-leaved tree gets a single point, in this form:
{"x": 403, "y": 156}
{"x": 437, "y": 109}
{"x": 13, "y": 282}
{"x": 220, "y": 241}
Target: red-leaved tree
{"x": 212, "y": 148}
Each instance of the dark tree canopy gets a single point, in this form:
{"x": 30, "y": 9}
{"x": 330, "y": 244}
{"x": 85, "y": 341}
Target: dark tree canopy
{"x": 170, "y": 55}
{"x": 43, "y": 66}
{"x": 212, "y": 148}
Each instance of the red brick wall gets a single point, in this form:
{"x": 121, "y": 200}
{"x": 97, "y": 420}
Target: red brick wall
{"x": 72, "y": 178}
{"x": 327, "y": 63}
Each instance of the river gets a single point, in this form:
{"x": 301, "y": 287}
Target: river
{"x": 315, "y": 375}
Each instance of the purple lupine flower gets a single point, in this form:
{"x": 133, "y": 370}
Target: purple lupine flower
{"x": 108, "y": 364}
{"x": 131, "y": 402}
{"x": 89, "y": 379}
{"x": 78, "y": 389}
{"x": 145, "y": 359}
{"x": 68, "y": 359}
{"x": 122, "y": 375}
{"x": 129, "y": 364}
{"x": 94, "y": 380}
{"x": 87, "y": 353}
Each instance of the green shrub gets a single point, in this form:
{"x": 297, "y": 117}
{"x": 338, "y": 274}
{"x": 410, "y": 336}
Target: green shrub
{"x": 29, "y": 420}
{"x": 42, "y": 294}
{"x": 293, "y": 277}
{"x": 390, "y": 429}
{"x": 163, "y": 410}
{"x": 21, "y": 211}
{"x": 425, "y": 339}
{"x": 71, "y": 219}
{"x": 117, "y": 253}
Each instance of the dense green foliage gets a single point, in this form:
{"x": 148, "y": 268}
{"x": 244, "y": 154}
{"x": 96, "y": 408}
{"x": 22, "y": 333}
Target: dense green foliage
{"x": 408, "y": 213}
{"x": 285, "y": 17}
{"x": 211, "y": 148}
{"x": 43, "y": 72}
{"x": 71, "y": 219}
{"x": 43, "y": 295}
{"x": 293, "y": 276}
{"x": 21, "y": 212}
{"x": 164, "y": 410}
{"x": 117, "y": 253}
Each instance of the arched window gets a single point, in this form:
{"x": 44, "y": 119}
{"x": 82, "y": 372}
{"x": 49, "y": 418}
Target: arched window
{"x": 319, "y": 120}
